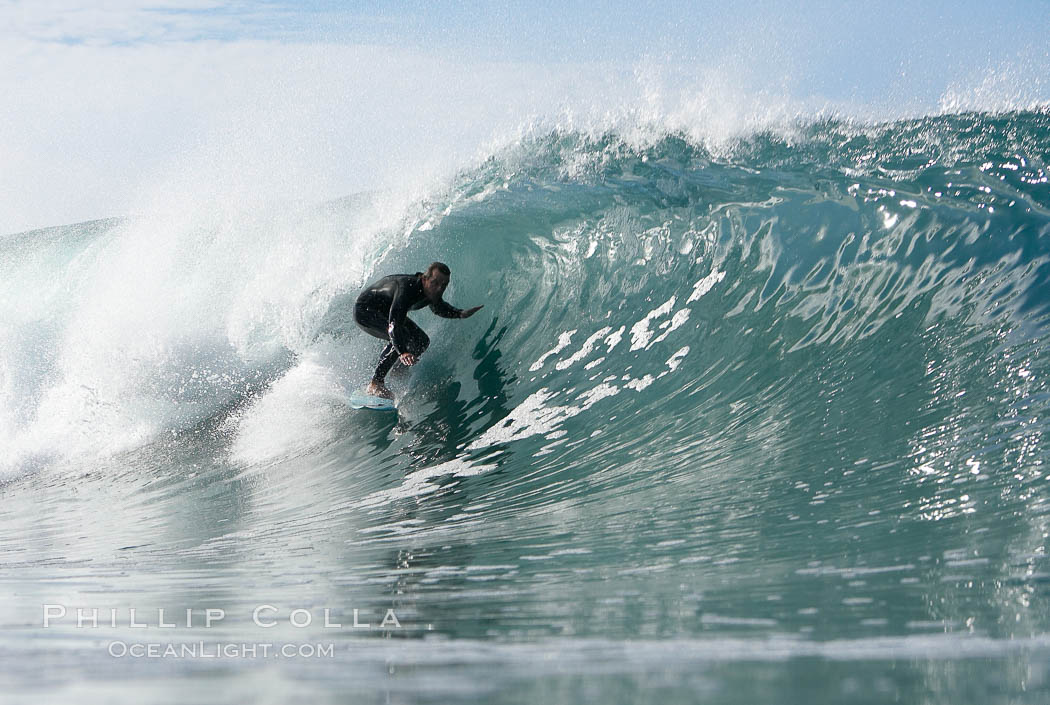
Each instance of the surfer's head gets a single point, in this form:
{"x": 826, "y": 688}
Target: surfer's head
{"x": 435, "y": 280}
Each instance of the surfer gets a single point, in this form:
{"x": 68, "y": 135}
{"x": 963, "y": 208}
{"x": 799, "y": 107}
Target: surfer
{"x": 382, "y": 311}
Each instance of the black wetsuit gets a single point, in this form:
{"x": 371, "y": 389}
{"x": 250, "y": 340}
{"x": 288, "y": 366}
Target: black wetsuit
{"x": 382, "y": 310}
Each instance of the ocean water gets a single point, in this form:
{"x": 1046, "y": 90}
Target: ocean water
{"x": 752, "y": 420}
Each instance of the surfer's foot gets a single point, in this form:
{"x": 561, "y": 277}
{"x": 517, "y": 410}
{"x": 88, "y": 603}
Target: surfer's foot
{"x": 378, "y": 389}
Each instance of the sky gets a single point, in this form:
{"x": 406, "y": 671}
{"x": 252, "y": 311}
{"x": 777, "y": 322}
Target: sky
{"x": 122, "y": 106}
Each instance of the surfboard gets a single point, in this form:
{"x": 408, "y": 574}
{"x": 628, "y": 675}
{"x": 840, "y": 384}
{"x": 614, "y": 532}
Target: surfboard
{"x": 360, "y": 400}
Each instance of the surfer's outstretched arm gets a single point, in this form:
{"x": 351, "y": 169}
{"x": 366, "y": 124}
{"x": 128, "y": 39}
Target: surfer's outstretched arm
{"x": 443, "y": 309}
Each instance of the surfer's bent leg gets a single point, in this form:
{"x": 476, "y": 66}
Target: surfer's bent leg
{"x": 417, "y": 343}
{"x": 374, "y": 323}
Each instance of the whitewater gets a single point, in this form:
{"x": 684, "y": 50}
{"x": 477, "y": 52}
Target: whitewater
{"x": 754, "y": 412}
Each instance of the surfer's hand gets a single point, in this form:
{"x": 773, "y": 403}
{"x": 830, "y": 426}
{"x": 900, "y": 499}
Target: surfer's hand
{"x": 408, "y": 359}
{"x": 470, "y": 312}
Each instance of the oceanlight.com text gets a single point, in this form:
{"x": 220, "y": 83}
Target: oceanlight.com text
{"x": 223, "y": 650}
